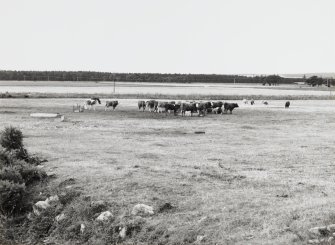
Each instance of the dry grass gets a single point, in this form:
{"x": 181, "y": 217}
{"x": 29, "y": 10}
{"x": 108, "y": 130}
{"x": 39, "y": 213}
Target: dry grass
{"x": 262, "y": 175}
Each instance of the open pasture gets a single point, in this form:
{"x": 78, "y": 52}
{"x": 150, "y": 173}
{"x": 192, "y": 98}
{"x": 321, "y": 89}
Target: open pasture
{"x": 263, "y": 175}
{"x": 107, "y": 88}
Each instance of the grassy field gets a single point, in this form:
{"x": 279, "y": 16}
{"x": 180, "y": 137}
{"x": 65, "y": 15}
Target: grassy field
{"x": 263, "y": 175}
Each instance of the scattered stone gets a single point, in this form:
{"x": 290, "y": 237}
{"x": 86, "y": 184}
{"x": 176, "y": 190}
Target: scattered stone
{"x": 123, "y": 232}
{"x": 142, "y": 210}
{"x": 42, "y": 205}
{"x": 104, "y": 216}
{"x": 60, "y": 217}
{"x": 331, "y": 228}
{"x": 333, "y": 234}
{"x": 199, "y": 239}
{"x": 314, "y": 241}
{"x": 318, "y": 231}
{"x": 82, "y": 228}
{"x": 330, "y": 239}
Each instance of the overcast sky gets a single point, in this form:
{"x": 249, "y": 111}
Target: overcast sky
{"x": 170, "y": 36}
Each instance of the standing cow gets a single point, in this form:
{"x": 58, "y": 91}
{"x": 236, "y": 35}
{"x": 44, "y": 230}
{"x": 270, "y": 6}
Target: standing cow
{"x": 287, "y": 104}
{"x": 152, "y": 105}
{"x": 229, "y": 107}
{"x": 112, "y": 104}
{"x": 141, "y": 105}
{"x": 89, "y": 104}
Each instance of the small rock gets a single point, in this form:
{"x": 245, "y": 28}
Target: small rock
{"x": 142, "y": 210}
{"x": 123, "y": 232}
{"x": 199, "y": 239}
{"x": 30, "y": 216}
{"x": 314, "y": 241}
{"x": 165, "y": 207}
{"x": 333, "y": 234}
{"x": 330, "y": 239}
{"x": 331, "y": 228}
{"x": 42, "y": 205}
{"x": 104, "y": 216}
{"x": 318, "y": 231}
{"x": 60, "y": 217}
{"x": 82, "y": 228}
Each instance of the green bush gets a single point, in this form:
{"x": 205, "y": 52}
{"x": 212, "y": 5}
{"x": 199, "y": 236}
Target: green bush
{"x": 11, "y": 138}
{"x": 11, "y": 197}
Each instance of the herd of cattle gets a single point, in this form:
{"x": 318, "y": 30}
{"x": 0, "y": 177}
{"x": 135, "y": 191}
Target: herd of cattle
{"x": 201, "y": 108}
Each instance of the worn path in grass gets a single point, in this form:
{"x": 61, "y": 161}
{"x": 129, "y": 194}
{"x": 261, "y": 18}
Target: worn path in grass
{"x": 263, "y": 175}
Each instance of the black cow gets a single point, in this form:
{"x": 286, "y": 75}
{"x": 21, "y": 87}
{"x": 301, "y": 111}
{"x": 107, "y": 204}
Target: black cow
{"x": 217, "y": 104}
{"x": 141, "y": 105}
{"x": 252, "y": 102}
{"x": 184, "y": 107}
{"x": 287, "y": 104}
{"x": 112, "y": 104}
{"x": 230, "y": 107}
{"x": 152, "y": 105}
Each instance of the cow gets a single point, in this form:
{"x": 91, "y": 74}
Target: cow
{"x": 217, "y": 104}
{"x": 252, "y": 102}
{"x": 112, "y": 104}
{"x": 201, "y": 108}
{"x": 162, "y": 106}
{"x": 217, "y": 110}
{"x": 287, "y": 104}
{"x": 265, "y": 102}
{"x": 245, "y": 101}
{"x": 152, "y": 105}
{"x": 229, "y": 107}
{"x": 89, "y": 104}
{"x": 141, "y": 105}
{"x": 184, "y": 107}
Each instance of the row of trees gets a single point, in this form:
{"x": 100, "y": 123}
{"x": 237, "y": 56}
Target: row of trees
{"x": 154, "y": 77}
{"x": 138, "y": 77}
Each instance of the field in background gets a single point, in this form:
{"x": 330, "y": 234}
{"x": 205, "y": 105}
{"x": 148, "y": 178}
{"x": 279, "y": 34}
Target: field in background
{"x": 122, "y": 88}
{"x": 263, "y": 175}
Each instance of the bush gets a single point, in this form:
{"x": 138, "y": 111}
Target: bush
{"x": 11, "y": 197}
{"x": 11, "y": 138}
{"x": 8, "y": 173}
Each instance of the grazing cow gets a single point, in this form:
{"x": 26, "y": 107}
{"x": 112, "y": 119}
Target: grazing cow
{"x": 217, "y": 110}
{"x": 287, "y": 104}
{"x": 217, "y": 104}
{"x": 252, "y": 102}
{"x": 112, "y": 104}
{"x": 141, "y": 105}
{"x": 91, "y": 102}
{"x": 201, "y": 108}
{"x": 152, "y": 105}
{"x": 230, "y": 107}
{"x": 191, "y": 107}
{"x": 265, "y": 102}
{"x": 162, "y": 106}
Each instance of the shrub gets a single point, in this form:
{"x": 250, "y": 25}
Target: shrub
{"x": 11, "y": 138}
{"x": 4, "y": 158}
{"x": 8, "y": 173}
{"x": 11, "y": 197}
{"x": 30, "y": 174}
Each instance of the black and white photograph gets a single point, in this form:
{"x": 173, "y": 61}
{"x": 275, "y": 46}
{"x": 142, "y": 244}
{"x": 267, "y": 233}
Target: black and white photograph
{"x": 167, "y": 122}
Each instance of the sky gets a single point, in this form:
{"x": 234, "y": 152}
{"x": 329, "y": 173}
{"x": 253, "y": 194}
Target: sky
{"x": 169, "y": 36}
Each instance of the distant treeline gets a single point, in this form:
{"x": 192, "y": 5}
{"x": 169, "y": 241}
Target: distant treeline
{"x": 139, "y": 77}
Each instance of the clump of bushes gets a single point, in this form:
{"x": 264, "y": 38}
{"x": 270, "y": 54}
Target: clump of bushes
{"x": 18, "y": 173}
